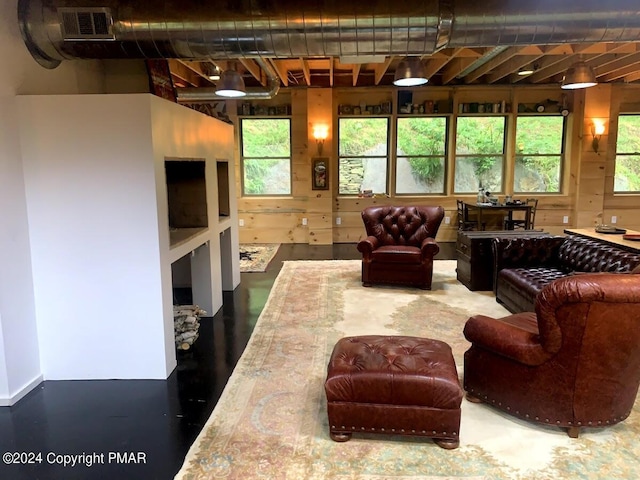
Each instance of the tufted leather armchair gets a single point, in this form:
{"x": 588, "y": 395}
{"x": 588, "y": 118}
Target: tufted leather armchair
{"x": 400, "y": 245}
{"x": 573, "y": 363}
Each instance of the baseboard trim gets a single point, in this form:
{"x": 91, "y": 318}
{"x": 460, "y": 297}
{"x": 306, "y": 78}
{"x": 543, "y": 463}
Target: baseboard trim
{"x": 20, "y": 394}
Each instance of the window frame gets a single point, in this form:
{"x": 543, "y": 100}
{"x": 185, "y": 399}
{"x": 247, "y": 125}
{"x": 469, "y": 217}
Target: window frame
{"x": 444, "y": 156}
{"x": 456, "y": 155}
{"x": 562, "y": 154}
{"x": 262, "y": 157}
{"x": 623, "y": 154}
{"x": 340, "y": 157}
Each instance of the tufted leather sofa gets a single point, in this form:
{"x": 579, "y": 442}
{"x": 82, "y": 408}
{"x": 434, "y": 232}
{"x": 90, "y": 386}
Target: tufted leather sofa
{"x": 400, "y": 245}
{"x": 573, "y": 363}
{"x": 524, "y": 266}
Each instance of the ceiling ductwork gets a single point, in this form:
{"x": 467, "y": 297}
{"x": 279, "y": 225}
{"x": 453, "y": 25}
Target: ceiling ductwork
{"x": 57, "y": 30}
{"x": 198, "y": 95}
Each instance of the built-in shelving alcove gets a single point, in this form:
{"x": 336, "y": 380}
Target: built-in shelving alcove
{"x": 187, "y": 199}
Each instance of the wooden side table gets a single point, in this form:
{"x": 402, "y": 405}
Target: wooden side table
{"x": 475, "y": 255}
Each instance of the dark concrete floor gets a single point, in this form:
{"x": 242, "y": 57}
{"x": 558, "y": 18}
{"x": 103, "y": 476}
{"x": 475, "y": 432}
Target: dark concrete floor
{"x": 151, "y": 422}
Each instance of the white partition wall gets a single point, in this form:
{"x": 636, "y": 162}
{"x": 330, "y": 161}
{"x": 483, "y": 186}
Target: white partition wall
{"x": 98, "y": 218}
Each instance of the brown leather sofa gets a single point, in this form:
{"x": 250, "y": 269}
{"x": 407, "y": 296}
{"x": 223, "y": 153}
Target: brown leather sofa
{"x": 400, "y": 245}
{"x": 524, "y": 266}
{"x": 573, "y": 363}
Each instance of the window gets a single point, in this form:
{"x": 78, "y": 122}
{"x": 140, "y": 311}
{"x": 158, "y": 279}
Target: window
{"x": 363, "y": 150}
{"x": 479, "y": 154}
{"x": 539, "y": 140}
{"x": 266, "y": 156}
{"x": 627, "y": 169}
{"x": 420, "y": 155}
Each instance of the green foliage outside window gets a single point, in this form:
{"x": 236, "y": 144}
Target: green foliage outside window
{"x": 363, "y": 151}
{"x": 627, "y": 169}
{"x": 421, "y": 141}
{"x": 420, "y": 138}
{"x": 266, "y": 156}
{"x": 539, "y": 141}
{"x": 363, "y": 136}
{"x": 479, "y": 146}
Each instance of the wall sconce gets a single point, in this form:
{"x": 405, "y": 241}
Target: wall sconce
{"x": 320, "y": 133}
{"x": 597, "y": 129}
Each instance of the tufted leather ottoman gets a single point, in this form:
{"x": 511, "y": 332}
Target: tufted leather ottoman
{"x": 395, "y": 385}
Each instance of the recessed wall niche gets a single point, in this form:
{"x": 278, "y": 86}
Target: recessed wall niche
{"x": 186, "y": 193}
{"x": 224, "y": 209}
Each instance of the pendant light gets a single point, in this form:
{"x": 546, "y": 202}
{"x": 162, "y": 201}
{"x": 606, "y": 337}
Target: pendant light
{"x": 579, "y": 75}
{"x": 230, "y": 85}
{"x": 411, "y": 72}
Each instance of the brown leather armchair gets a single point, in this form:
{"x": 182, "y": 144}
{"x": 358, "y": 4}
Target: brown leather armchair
{"x": 400, "y": 245}
{"x": 573, "y": 363}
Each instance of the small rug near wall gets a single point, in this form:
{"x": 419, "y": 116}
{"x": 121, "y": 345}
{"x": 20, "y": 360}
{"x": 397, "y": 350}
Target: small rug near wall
{"x": 271, "y": 420}
{"x": 255, "y": 257}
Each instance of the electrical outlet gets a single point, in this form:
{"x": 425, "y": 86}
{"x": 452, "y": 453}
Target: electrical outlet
{"x": 241, "y": 222}
{"x": 304, "y": 221}
{"x": 447, "y": 220}
{"x": 338, "y": 221}
{"x": 614, "y": 219}
{"x": 565, "y": 219}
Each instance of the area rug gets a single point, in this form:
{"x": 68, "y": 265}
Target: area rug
{"x": 255, "y": 257}
{"x": 271, "y": 421}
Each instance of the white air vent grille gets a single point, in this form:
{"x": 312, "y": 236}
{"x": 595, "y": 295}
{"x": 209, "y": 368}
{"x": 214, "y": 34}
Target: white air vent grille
{"x": 86, "y": 24}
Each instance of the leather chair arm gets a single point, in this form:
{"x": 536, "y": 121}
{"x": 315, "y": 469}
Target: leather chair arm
{"x": 507, "y": 339}
{"x": 368, "y": 245}
{"x": 429, "y": 247}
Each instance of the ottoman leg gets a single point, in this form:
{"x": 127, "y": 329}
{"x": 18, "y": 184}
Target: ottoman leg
{"x": 340, "y": 437}
{"x": 473, "y": 399}
{"x": 447, "y": 443}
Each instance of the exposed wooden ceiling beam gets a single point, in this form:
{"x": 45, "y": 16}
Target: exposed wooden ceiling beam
{"x": 612, "y": 62}
{"x": 254, "y": 69}
{"x": 453, "y": 69}
{"x": 381, "y": 69}
{"x": 186, "y": 74}
{"x": 438, "y": 62}
{"x": 619, "y": 69}
{"x": 491, "y": 64}
{"x": 512, "y": 67}
{"x": 331, "y": 71}
{"x": 355, "y": 71}
{"x": 306, "y": 71}
{"x": 282, "y": 72}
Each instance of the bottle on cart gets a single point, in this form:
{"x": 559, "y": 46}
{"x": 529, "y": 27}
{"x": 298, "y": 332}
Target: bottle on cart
{"x": 481, "y": 195}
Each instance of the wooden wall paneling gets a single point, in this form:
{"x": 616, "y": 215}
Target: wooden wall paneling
{"x": 320, "y": 111}
{"x": 584, "y": 200}
{"x": 348, "y": 235}
{"x": 590, "y": 199}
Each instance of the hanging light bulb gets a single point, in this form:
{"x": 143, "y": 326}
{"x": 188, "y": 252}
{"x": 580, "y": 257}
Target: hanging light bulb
{"x": 579, "y": 75}
{"x": 231, "y": 85}
{"x": 410, "y": 73}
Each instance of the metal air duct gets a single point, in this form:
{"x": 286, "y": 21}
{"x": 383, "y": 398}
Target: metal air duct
{"x": 55, "y": 30}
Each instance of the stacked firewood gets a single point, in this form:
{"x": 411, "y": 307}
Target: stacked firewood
{"x": 186, "y": 324}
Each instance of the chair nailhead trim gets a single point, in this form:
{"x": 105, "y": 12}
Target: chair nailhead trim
{"x": 558, "y": 422}
{"x": 373, "y": 429}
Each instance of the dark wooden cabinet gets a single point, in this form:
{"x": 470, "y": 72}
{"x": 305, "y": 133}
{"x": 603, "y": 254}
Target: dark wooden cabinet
{"x": 475, "y": 255}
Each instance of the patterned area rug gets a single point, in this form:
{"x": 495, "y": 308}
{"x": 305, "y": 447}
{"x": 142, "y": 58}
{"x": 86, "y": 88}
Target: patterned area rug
{"x": 255, "y": 257}
{"x": 271, "y": 421}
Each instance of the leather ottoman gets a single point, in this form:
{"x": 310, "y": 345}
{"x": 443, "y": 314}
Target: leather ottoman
{"x": 394, "y": 385}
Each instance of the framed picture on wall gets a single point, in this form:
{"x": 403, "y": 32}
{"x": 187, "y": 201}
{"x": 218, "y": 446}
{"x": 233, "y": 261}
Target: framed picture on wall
{"x": 320, "y": 173}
